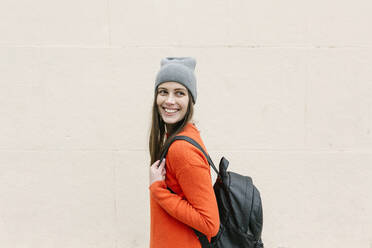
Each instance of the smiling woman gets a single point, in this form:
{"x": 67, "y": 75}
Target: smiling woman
{"x": 185, "y": 170}
{"x": 172, "y": 101}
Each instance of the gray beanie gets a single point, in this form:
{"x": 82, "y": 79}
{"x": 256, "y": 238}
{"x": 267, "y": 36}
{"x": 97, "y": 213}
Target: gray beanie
{"x": 178, "y": 69}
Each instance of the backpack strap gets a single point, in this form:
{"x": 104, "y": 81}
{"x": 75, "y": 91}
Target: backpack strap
{"x": 193, "y": 142}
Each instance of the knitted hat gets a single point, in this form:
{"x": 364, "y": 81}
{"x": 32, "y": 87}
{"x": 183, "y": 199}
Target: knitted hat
{"x": 178, "y": 69}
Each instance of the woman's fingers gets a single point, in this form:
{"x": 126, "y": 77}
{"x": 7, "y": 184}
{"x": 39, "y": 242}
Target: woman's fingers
{"x": 162, "y": 167}
{"x": 155, "y": 164}
{"x": 162, "y": 164}
{"x": 157, "y": 172}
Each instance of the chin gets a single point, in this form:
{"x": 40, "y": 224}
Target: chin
{"x": 171, "y": 122}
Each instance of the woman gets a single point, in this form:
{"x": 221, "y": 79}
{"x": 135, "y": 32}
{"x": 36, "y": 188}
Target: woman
{"x": 187, "y": 170}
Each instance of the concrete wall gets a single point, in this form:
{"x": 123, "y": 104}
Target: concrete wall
{"x": 284, "y": 93}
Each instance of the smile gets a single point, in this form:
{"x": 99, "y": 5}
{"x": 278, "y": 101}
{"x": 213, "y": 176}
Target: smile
{"x": 170, "y": 110}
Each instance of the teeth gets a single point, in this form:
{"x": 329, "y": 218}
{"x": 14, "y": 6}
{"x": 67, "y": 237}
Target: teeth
{"x": 171, "y": 110}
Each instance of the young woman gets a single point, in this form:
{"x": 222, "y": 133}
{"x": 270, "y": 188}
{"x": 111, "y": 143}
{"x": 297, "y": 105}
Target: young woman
{"x": 185, "y": 169}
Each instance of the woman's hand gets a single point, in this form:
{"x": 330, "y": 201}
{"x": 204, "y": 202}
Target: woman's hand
{"x": 157, "y": 172}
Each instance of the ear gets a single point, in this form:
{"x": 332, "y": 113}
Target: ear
{"x": 187, "y": 61}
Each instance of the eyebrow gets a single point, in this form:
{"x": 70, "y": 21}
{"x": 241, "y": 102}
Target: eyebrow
{"x": 174, "y": 89}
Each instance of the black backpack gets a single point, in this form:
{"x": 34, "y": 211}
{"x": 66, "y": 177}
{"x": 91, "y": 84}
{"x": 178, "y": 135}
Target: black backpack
{"x": 239, "y": 205}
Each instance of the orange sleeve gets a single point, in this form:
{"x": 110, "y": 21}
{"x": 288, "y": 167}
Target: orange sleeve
{"x": 199, "y": 210}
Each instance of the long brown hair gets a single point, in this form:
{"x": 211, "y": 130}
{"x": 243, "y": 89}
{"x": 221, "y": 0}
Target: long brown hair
{"x": 158, "y": 138}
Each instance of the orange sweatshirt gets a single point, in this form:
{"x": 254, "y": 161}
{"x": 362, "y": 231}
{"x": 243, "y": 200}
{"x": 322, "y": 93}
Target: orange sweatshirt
{"x": 194, "y": 204}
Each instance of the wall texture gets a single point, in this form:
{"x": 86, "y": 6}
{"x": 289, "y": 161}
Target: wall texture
{"x": 284, "y": 93}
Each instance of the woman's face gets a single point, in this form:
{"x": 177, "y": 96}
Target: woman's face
{"x": 172, "y": 101}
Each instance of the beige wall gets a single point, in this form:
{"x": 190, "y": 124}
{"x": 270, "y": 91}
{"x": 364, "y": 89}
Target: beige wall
{"x": 284, "y": 92}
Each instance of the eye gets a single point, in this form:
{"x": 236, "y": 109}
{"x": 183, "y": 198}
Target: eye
{"x": 180, "y": 93}
{"x": 162, "y": 92}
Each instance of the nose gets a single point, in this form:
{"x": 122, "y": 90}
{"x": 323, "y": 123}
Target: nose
{"x": 170, "y": 99}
